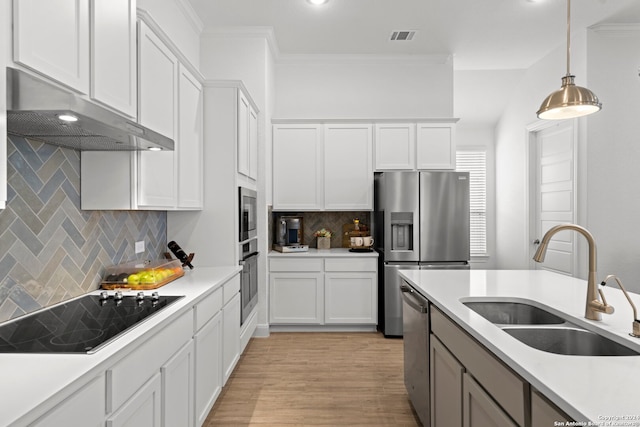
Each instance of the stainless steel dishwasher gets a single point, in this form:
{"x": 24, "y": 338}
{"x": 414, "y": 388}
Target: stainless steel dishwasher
{"x": 415, "y": 324}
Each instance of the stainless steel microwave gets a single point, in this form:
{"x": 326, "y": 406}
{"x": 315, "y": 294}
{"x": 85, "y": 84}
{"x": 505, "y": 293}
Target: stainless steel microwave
{"x": 248, "y": 214}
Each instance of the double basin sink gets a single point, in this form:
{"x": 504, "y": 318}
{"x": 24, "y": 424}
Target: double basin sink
{"x": 543, "y": 330}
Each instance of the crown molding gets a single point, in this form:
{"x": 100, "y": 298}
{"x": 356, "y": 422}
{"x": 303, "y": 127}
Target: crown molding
{"x": 617, "y": 30}
{"x": 359, "y": 120}
{"x": 266, "y": 33}
{"x": 189, "y": 12}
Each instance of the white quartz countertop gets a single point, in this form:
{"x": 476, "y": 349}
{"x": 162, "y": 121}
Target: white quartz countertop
{"x": 324, "y": 253}
{"x": 29, "y": 380}
{"x": 591, "y": 389}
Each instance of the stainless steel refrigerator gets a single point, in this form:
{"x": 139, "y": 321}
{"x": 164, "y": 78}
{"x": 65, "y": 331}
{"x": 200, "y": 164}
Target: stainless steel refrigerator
{"x": 421, "y": 221}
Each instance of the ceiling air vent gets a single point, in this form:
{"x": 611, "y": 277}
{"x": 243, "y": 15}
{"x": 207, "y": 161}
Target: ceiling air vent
{"x": 402, "y": 35}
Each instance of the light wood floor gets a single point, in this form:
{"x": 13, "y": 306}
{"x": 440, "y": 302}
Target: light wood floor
{"x": 331, "y": 379}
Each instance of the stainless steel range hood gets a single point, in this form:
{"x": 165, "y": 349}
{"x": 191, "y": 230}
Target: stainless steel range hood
{"x": 34, "y": 107}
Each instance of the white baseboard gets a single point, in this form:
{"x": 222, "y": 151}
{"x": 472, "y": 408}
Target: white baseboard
{"x": 262, "y": 331}
{"x": 323, "y": 328}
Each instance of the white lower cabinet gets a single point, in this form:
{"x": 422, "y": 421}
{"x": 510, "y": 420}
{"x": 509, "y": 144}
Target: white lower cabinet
{"x": 142, "y": 409}
{"x": 171, "y": 377}
{"x": 208, "y": 381}
{"x": 351, "y": 298}
{"x": 296, "y": 298}
{"x": 129, "y": 374}
{"x": 230, "y": 336}
{"x": 85, "y": 408}
{"x": 178, "y": 387}
{"x": 324, "y": 290}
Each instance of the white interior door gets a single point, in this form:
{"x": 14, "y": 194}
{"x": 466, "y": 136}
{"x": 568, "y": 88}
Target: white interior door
{"x": 555, "y": 194}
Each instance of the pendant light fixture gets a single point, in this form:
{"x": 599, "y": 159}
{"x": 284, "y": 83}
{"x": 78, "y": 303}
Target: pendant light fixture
{"x": 571, "y": 100}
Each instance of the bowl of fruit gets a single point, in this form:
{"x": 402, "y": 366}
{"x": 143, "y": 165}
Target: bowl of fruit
{"x": 142, "y": 275}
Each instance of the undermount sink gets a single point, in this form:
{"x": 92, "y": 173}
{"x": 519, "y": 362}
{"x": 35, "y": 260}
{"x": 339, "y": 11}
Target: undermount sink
{"x": 513, "y": 313}
{"x": 545, "y": 331}
{"x": 569, "y": 341}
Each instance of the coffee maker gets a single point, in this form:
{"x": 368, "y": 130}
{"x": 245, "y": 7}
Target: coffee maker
{"x": 289, "y": 234}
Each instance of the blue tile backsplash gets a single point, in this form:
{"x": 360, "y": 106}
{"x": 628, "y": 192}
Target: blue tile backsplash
{"x": 50, "y": 250}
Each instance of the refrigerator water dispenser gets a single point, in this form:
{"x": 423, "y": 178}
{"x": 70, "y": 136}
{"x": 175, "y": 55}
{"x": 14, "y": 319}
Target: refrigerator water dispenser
{"x": 401, "y": 231}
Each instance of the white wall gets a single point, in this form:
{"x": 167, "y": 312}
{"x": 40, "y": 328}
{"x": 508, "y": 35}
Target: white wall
{"x": 513, "y": 248}
{"x": 363, "y": 87}
{"x": 613, "y": 193}
{"x": 237, "y": 58}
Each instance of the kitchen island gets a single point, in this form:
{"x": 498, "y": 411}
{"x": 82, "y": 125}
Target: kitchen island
{"x": 36, "y": 387}
{"x": 598, "y": 389}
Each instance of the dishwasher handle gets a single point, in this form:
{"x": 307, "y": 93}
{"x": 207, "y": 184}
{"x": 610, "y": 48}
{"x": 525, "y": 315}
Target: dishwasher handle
{"x": 413, "y": 299}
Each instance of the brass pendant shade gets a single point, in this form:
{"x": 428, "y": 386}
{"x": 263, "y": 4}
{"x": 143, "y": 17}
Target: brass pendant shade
{"x": 570, "y": 100}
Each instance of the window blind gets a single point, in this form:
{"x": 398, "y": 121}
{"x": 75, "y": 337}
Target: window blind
{"x": 475, "y": 162}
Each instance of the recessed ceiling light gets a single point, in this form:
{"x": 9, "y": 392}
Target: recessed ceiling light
{"x": 155, "y": 149}
{"x": 68, "y": 117}
{"x": 317, "y": 2}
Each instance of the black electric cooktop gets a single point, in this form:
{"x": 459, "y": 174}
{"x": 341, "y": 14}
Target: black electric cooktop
{"x": 82, "y": 325}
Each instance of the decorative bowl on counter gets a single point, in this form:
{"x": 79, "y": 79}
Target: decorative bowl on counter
{"x": 142, "y": 275}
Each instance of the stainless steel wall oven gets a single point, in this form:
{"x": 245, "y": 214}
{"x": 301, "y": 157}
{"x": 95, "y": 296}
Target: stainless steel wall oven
{"x": 248, "y": 214}
{"x": 248, "y": 278}
{"x": 248, "y": 241}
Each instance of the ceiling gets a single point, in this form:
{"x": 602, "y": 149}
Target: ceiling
{"x": 482, "y": 35}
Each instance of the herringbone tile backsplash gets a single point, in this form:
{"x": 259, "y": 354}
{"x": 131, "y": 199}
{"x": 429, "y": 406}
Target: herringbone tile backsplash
{"x": 313, "y": 221}
{"x": 50, "y": 250}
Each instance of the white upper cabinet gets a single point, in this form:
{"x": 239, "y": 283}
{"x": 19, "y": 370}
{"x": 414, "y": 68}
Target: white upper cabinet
{"x": 87, "y": 45}
{"x": 52, "y": 38}
{"x": 415, "y": 146}
{"x": 348, "y": 171}
{"x": 395, "y": 146}
{"x": 243, "y": 135}
{"x": 435, "y": 146}
{"x": 297, "y": 167}
{"x": 113, "y": 54}
{"x": 190, "y": 154}
{"x": 158, "y": 83}
{"x": 247, "y": 138}
{"x": 322, "y": 167}
{"x": 158, "y": 110}
{"x": 253, "y": 143}
{"x": 170, "y": 101}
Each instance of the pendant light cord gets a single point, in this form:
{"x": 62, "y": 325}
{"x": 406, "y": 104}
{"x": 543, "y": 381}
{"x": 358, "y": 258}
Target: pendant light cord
{"x": 568, "y": 37}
